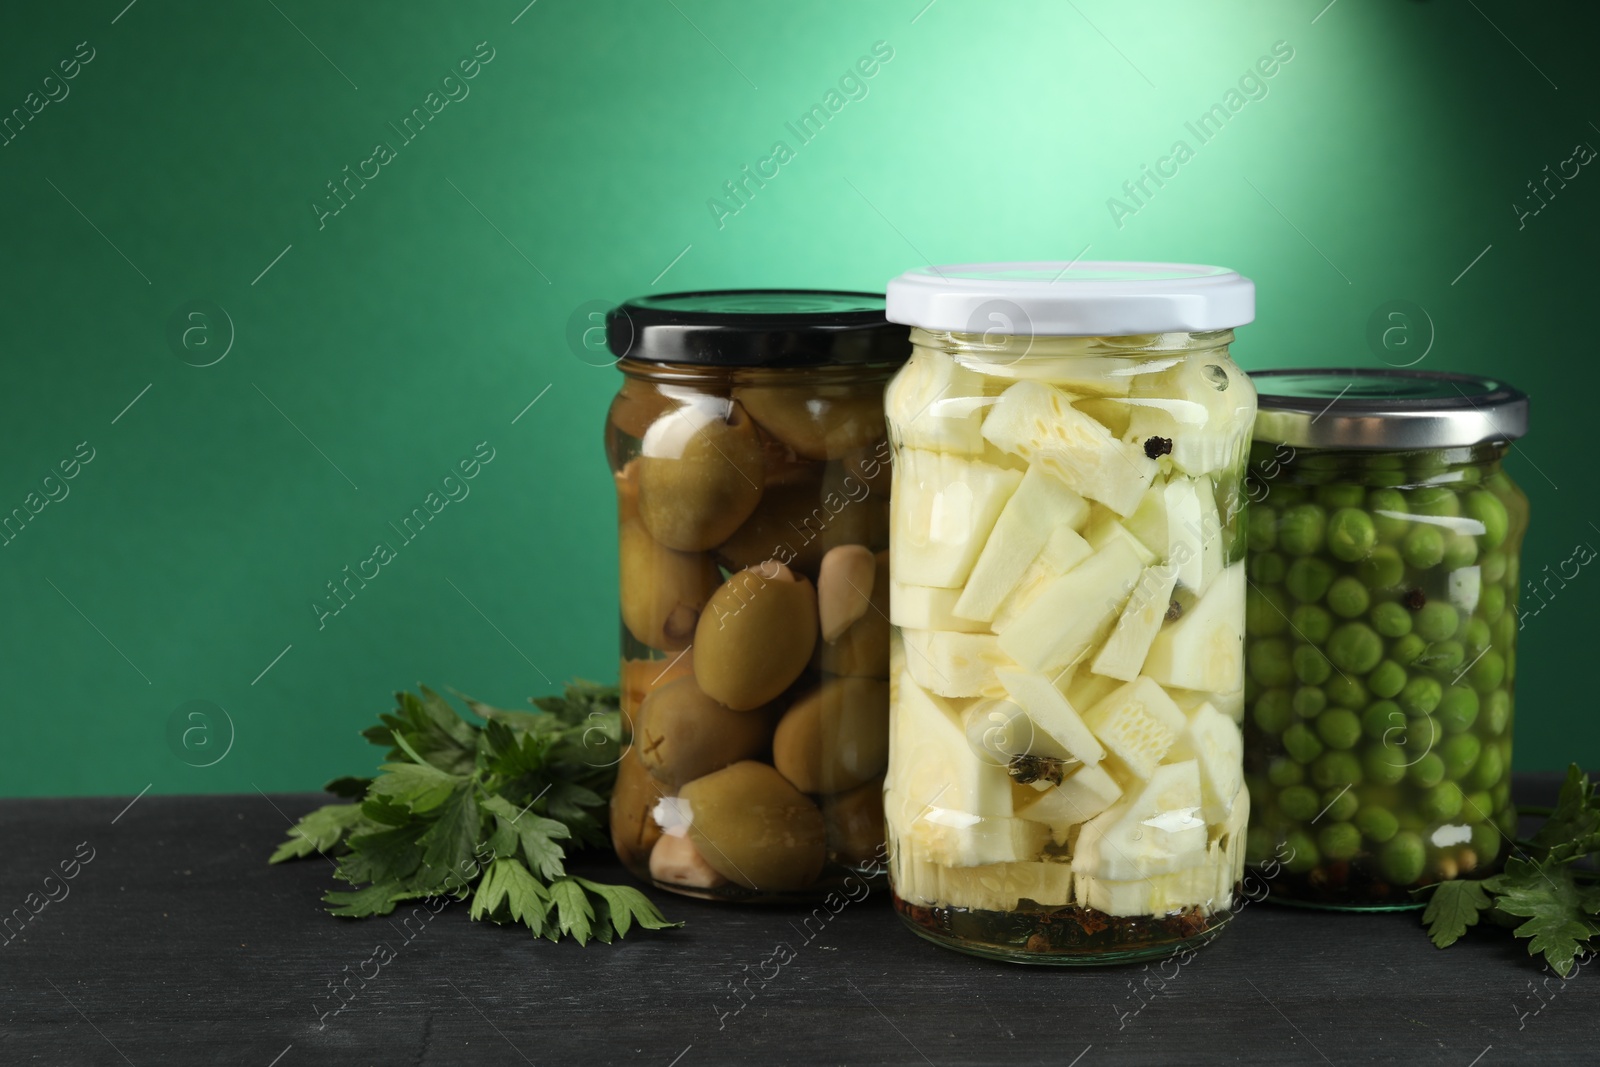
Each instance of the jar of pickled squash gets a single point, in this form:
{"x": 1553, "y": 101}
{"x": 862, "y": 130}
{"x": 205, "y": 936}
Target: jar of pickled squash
{"x": 1382, "y": 620}
{"x": 752, "y": 471}
{"x": 1067, "y": 592}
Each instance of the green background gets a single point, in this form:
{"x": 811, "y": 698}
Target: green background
{"x": 425, "y": 316}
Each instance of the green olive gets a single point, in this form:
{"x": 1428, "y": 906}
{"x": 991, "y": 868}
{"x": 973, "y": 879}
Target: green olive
{"x": 633, "y": 830}
{"x": 700, "y": 475}
{"x": 755, "y": 636}
{"x": 682, "y": 734}
{"x": 835, "y": 737}
{"x": 755, "y": 828}
{"x": 818, "y": 422}
{"x": 862, "y": 651}
{"x": 855, "y": 824}
{"x": 663, "y": 590}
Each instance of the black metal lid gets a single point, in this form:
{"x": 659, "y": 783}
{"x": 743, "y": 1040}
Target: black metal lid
{"x": 1371, "y": 408}
{"x": 757, "y": 328}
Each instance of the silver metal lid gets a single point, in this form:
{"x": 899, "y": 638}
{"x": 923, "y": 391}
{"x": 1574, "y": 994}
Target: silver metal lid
{"x": 1359, "y": 408}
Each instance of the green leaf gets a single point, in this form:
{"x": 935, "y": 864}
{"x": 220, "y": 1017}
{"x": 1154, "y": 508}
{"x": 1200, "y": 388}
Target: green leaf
{"x": 536, "y": 834}
{"x": 1558, "y": 923}
{"x": 317, "y": 832}
{"x": 1573, "y": 828}
{"x": 418, "y": 787}
{"x": 509, "y": 892}
{"x": 628, "y": 906}
{"x": 449, "y": 845}
{"x": 376, "y": 899}
{"x": 574, "y": 914}
{"x": 1454, "y": 907}
{"x": 391, "y": 854}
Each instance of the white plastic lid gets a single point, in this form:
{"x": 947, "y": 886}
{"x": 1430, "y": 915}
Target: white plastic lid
{"x": 1080, "y": 299}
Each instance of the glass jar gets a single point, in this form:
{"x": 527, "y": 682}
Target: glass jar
{"x": 1065, "y": 776}
{"x": 1382, "y": 621}
{"x": 748, "y": 447}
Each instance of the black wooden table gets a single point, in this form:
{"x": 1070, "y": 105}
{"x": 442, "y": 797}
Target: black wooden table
{"x": 176, "y": 944}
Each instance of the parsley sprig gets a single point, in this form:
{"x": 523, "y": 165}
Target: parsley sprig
{"x": 1547, "y": 892}
{"x": 491, "y": 812}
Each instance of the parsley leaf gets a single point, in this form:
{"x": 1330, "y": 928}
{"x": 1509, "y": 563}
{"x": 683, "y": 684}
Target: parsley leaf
{"x": 1454, "y": 907}
{"x": 1558, "y": 911}
{"x": 1573, "y": 828}
{"x": 490, "y": 811}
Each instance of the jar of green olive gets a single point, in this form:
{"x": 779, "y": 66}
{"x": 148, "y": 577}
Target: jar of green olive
{"x": 752, "y": 471}
{"x": 1381, "y": 621}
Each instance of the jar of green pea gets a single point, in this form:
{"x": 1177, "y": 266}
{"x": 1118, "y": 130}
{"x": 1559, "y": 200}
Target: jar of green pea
{"x": 1381, "y": 631}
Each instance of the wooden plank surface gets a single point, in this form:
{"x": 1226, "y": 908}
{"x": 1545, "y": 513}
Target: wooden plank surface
{"x": 176, "y": 944}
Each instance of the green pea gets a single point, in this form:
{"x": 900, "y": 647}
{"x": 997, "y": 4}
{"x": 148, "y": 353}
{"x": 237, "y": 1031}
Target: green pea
{"x": 1391, "y": 619}
{"x": 1427, "y": 772}
{"x": 1390, "y": 514}
{"x": 1421, "y": 695}
{"x": 1504, "y": 629}
{"x": 1387, "y": 679}
{"x": 1487, "y": 674}
{"x": 1355, "y": 646}
{"x": 1407, "y": 649}
{"x": 1299, "y": 802}
{"x": 1445, "y": 657}
{"x": 1267, "y": 568}
{"x": 1460, "y": 551}
{"x": 1402, "y": 857}
{"x": 1308, "y": 578}
{"x": 1285, "y": 772}
{"x": 1491, "y": 602}
{"x": 1441, "y": 803}
{"x": 1487, "y": 509}
{"x": 1339, "y": 728}
{"x": 1494, "y": 566}
{"x": 1339, "y": 841}
{"x": 1437, "y": 620}
{"x": 1310, "y": 665}
{"x": 1496, "y": 711}
{"x": 1334, "y": 769}
{"x": 1513, "y": 571}
{"x": 1490, "y": 768}
{"x": 1423, "y": 547}
{"x": 1435, "y": 500}
{"x": 1506, "y": 820}
{"x": 1475, "y": 634}
{"x": 1340, "y": 495}
{"x": 1386, "y": 479}
{"x": 1486, "y": 842}
{"x": 1460, "y": 754}
{"x": 1266, "y": 611}
{"x": 1347, "y": 692}
{"x": 1311, "y": 622}
{"x": 1384, "y": 766}
{"x": 1377, "y": 824}
{"x": 1301, "y": 852}
{"x": 1301, "y": 743}
{"x": 1383, "y": 569}
{"x": 1268, "y": 661}
{"x": 1300, "y": 530}
{"x": 1309, "y": 701}
{"x": 1458, "y": 709}
{"x": 1380, "y": 717}
{"x": 1287, "y": 496}
{"x": 1351, "y": 534}
{"x": 1501, "y": 793}
{"x": 1340, "y": 804}
{"x": 1257, "y": 845}
{"x": 1272, "y": 711}
{"x": 1263, "y": 528}
{"x": 1477, "y": 806}
{"x": 1347, "y": 597}
{"x": 1427, "y": 465}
